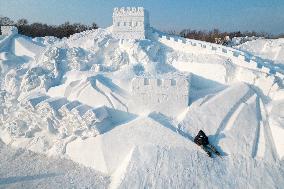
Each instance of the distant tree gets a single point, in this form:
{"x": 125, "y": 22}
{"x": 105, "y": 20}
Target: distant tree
{"x": 22, "y": 22}
{"x": 94, "y": 25}
{"x": 5, "y": 21}
{"x": 216, "y": 36}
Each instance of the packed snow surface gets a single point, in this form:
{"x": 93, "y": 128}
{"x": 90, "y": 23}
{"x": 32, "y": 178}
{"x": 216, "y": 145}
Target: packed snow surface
{"x": 129, "y": 110}
{"x": 272, "y": 49}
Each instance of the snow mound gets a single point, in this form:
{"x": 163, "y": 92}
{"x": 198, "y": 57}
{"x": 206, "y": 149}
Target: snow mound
{"x": 272, "y": 49}
{"x": 22, "y": 46}
{"x": 111, "y": 144}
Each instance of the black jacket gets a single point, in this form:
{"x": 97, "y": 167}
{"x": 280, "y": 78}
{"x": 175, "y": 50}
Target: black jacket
{"x": 201, "y": 139}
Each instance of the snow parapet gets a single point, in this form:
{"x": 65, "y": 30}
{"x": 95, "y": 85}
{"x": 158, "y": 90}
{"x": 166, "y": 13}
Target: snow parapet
{"x": 162, "y": 95}
{"x": 130, "y": 23}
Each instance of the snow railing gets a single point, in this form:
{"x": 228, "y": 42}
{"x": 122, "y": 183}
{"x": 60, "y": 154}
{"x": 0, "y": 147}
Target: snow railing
{"x": 245, "y": 59}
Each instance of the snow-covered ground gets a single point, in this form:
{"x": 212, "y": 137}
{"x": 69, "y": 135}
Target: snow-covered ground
{"x": 25, "y": 169}
{"x": 81, "y": 99}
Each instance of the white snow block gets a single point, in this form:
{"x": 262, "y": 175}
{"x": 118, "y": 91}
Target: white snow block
{"x": 164, "y": 37}
{"x": 219, "y": 50}
{"x": 180, "y": 40}
{"x": 280, "y": 75}
{"x": 242, "y": 57}
{"x": 188, "y": 42}
{"x": 230, "y": 52}
{"x": 172, "y": 39}
{"x": 265, "y": 70}
{"x": 253, "y": 63}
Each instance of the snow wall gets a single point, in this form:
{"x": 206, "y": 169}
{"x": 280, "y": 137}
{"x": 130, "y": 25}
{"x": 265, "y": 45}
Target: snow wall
{"x": 242, "y": 59}
{"x": 162, "y": 95}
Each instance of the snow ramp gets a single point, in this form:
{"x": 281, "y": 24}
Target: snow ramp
{"x": 23, "y": 46}
{"x": 102, "y": 90}
{"x": 107, "y": 152}
{"x": 235, "y": 121}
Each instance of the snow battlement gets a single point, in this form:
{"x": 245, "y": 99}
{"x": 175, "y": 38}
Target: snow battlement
{"x": 129, "y": 11}
{"x": 9, "y": 30}
{"x": 168, "y": 96}
{"x": 130, "y": 23}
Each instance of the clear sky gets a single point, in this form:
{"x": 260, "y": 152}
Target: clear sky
{"x": 226, "y": 15}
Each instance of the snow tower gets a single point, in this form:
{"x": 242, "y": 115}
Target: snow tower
{"x": 9, "y": 30}
{"x": 130, "y": 23}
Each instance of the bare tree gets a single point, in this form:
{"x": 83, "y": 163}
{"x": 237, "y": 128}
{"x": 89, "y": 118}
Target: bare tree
{"x": 5, "y": 21}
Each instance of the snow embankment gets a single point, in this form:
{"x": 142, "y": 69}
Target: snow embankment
{"x": 272, "y": 49}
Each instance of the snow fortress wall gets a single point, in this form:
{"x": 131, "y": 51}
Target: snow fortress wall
{"x": 130, "y": 23}
{"x": 9, "y": 30}
{"x": 167, "y": 96}
{"x": 244, "y": 59}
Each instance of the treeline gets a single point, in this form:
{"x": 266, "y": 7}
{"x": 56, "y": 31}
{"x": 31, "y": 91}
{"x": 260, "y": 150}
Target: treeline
{"x": 67, "y": 29}
{"x": 41, "y": 30}
{"x": 216, "y": 36}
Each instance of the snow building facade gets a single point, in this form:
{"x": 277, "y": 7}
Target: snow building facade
{"x": 167, "y": 96}
{"x": 9, "y": 30}
{"x": 130, "y": 23}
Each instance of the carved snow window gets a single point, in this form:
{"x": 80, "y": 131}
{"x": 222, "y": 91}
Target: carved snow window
{"x": 173, "y": 82}
{"x": 146, "y": 81}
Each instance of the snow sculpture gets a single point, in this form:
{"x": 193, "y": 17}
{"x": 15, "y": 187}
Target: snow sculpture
{"x": 50, "y": 107}
{"x": 65, "y": 109}
{"x": 130, "y": 23}
{"x": 9, "y": 30}
{"x": 31, "y": 102}
{"x": 168, "y": 96}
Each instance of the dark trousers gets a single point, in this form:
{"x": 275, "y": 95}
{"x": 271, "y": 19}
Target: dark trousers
{"x": 209, "y": 147}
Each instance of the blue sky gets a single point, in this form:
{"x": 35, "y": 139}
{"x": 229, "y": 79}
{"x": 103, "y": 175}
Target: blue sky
{"x": 226, "y": 15}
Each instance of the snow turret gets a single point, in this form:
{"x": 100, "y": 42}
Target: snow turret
{"x": 130, "y": 23}
{"x": 9, "y": 30}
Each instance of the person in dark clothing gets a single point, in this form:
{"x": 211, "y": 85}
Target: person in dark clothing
{"x": 202, "y": 140}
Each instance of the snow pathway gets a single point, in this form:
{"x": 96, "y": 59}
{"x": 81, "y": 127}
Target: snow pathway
{"x": 226, "y": 120}
{"x": 20, "y": 168}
